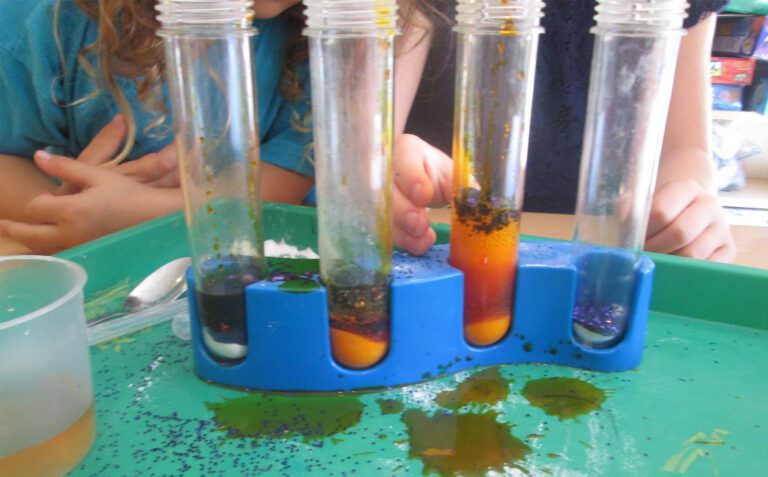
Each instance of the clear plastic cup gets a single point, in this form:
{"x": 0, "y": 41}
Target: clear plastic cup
{"x": 46, "y": 397}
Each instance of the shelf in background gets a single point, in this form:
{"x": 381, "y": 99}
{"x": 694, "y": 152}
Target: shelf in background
{"x": 753, "y": 196}
{"x": 739, "y": 115}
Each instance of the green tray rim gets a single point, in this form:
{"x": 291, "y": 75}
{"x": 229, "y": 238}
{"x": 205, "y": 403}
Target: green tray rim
{"x": 723, "y": 293}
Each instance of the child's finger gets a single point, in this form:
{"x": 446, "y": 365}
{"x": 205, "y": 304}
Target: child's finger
{"x": 159, "y": 169}
{"x": 704, "y": 245}
{"x": 147, "y": 169}
{"x": 66, "y": 188}
{"x": 411, "y": 176}
{"x": 685, "y": 229}
{"x": 40, "y": 238}
{"x": 725, "y": 254}
{"x": 439, "y": 167}
{"x": 106, "y": 143}
{"x": 668, "y": 203}
{"x": 45, "y": 207}
{"x": 168, "y": 153}
{"x": 412, "y": 219}
{"x": 414, "y": 245}
{"x": 69, "y": 170}
{"x": 168, "y": 181}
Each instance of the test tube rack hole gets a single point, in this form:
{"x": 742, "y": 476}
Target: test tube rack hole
{"x": 289, "y": 337}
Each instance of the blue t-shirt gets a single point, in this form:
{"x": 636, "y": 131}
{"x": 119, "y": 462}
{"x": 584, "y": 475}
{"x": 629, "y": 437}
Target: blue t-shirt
{"x": 39, "y": 94}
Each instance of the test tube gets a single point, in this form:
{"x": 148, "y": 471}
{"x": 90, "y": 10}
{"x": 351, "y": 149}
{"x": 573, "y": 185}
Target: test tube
{"x": 633, "y": 64}
{"x": 210, "y": 73}
{"x": 351, "y": 66}
{"x": 497, "y": 42}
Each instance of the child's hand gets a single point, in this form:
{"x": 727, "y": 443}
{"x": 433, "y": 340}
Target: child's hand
{"x": 158, "y": 169}
{"x": 686, "y": 220}
{"x": 422, "y": 179}
{"x": 100, "y": 150}
{"x": 107, "y": 202}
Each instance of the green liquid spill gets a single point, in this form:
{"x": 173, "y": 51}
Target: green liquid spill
{"x": 462, "y": 444}
{"x": 294, "y": 273}
{"x": 293, "y": 265}
{"x": 299, "y": 285}
{"x": 484, "y": 387}
{"x": 390, "y": 406}
{"x": 565, "y": 398}
{"x": 282, "y": 417}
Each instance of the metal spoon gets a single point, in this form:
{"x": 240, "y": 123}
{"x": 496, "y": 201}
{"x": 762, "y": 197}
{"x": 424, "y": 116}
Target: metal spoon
{"x": 164, "y": 285}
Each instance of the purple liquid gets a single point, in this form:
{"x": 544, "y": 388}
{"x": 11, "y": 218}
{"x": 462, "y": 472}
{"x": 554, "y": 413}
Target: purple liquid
{"x": 223, "y": 316}
{"x": 605, "y": 289}
{"x": 221, "y": 305}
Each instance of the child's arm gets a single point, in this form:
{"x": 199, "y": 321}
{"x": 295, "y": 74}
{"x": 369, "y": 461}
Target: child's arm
{"x": 106, "y": 201}
{"x": 685, "y": 216}
{"x": 422, "y": 172}
{"x": 283, "y": 185}
{"x": 411, "y": 50}
{"x": 91, "y": 201}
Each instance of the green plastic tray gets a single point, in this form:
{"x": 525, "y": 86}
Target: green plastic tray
{"x": 695, "y": 406}
{"x": 753, "y": 7}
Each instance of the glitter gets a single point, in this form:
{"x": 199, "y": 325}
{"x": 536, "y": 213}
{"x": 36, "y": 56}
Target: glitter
{"x": 605, "y": 320}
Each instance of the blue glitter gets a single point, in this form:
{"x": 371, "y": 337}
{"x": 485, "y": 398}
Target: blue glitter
{"x": 606, "y": 320}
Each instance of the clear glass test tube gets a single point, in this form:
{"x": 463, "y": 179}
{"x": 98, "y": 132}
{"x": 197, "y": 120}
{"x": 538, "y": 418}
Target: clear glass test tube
{"x": 633, "y": 64}
{"x": 497, "y": 43}
{"x": 210, "y": 72}
{"x": 351, "y": 65}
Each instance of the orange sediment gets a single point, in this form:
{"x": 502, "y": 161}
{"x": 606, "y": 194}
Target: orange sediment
{"x": 356, "y": 351}
{"x": 359, "y": 319}
{"x": 55, "y": 456}
{"x": 489, "y": 262}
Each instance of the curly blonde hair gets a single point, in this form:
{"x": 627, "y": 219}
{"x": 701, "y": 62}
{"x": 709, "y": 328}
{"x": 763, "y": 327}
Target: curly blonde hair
{"x": 128, "y": 46}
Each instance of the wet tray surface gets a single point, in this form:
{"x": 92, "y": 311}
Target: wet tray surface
{"x": 695, "y": 406}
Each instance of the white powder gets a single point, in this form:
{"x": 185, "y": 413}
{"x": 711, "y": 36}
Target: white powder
{"x": 244, "y": 248}
{"x": 272, "y": 249}
{"x": 282, "y": 249}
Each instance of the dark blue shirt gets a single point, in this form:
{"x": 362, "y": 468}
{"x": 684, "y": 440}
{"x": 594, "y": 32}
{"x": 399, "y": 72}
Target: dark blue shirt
{"x": 559, "y": 104}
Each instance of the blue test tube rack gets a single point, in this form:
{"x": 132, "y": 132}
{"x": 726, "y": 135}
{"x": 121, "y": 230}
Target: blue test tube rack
{"x": 289, "y": 338}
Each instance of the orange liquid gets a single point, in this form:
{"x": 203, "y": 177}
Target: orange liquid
{"x": 489, "y": 263}
{"x": 55, "y": 456}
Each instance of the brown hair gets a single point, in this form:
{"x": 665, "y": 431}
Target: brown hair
{"x": 128, "y": 46}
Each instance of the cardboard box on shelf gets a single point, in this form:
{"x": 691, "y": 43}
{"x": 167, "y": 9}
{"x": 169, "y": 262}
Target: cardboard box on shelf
{"x": 725, "y": 70}
{"x": 727, "y": 97}
{"x": 741, "y": 35}
{"x": 756, "y": 95}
